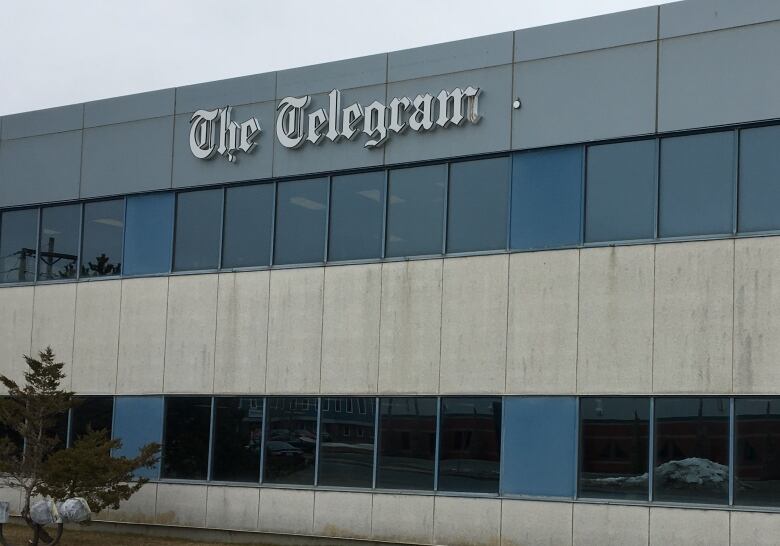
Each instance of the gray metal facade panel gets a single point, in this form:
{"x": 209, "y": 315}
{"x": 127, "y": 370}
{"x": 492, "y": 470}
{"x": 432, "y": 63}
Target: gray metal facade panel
{"x": 322, "y": 78}
{"x": 154, "y": 104}
{"x": 602, "y": 94}
{"x": 331, "y": 156}
{"x": 612, "y": 30}
{"x": 491, "y": 134}
{"x": 41, "y": 122}
{"x": 458, "y": 56}
{"x": 695, "y": 16}
{"x": 127, "y": 157}
{"x": 40, "y": 169}
{"x": 191, "y": 171}
{"x": 233, "y": 92}
{"x": 728, "y": 76}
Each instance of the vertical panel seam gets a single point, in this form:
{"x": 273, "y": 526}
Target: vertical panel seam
{"x": 165, "y": 332}
{"x": 733, "y": 307}
{"x": 322, "y": 332}
{"x": 267, "y": 336}
{"x": 379, "y": 336}
{"x": 32, "y": 321}
{"x": 506, "y": 329}
{"x": 118, "y": 334}
{"x": 441, "y": 325}
{"x": 206, "y": 508}
{"x": 73, "y": 333}
{"x": 173, "y": 137}
{"x": 652, "y": 329}
{"x": 81, "y": 154}
{"x": 577, "y": 335}
{"x": 657, "y": 66}
{"x": 216, "y": 329}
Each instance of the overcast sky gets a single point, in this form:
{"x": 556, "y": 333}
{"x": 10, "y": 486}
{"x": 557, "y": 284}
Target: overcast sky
{"x": 59, "y": 52}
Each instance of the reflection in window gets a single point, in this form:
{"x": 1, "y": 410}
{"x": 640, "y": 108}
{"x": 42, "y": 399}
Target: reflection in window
{"x": 614, "y": 448}
{"x": 238, "y": 432}
{"x": 248, "y": 224}
{"x": 198, "y": 228}
{"x": 759, "y": 173}
{"x": 357, "y": 204}
{"x": 470, "y": 445}
{"x": 138, "y": 421}
{"x": 18, "y": 232}
{"x": 91, "y": 412}
{"x": 148, "y": 234}
{"x": 691, "y": 450}
{"x": 415, "y": 211}
{"x": 478, "y": 203}
{"x": 347, "y": 444}
{"x": 407, "y": 443}
{"x": 757, "y": 465}
{"x": 59, "y": 242}
{"x": 101, "y": 244}
{"x": 301, "y": 211}
{"x": 186, "y": 443}
{"x": 291, "y": 441}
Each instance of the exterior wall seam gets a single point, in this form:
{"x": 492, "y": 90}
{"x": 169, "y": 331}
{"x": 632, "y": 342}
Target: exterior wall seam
{"x": 657, "y": 65}
{"x": 572, "y": 53}
{"x": 577, "y": 335}
{"x": 173, "y": 141}
{"x": 441, "y": 325}
{"x": 119, "y": 335}
{"x": 652, "y": 328}
{"x": 165, "y": 333}
{"x": 206, "y": 508}
{"x": 216, "y": 335}
{"x": 73, "y": 334}
{"x": 733, "y": 307}
{"x": 322, "y": 337}
{"x": 506, "y": 329}
{"x": 81, "y": 155}
{"x": 267, "y": 337}
{"x": 379, "y": 347}
{"x": 715, "y": 30}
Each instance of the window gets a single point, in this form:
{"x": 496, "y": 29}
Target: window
{"x": 18, "y": 232}
{"x": 539, "y": 445}
{"x": 357, "y": 204}
{"x": 691, "y": 450}
{"x": 470, "y": 445}
{"x": 148, "y": 234}
{"x": 198, "y": 229}
{"x": 249, "y": 212}
{"x": 91, "y": 412}
{"x": 477, "y": 205}
{"x": 407, "y": 443}
{"x": 547, "y": 198}
{"x": 757, "y": 465}
{"x": 301, "y": 211}
{"x": 291, "y": 442}
{"x": 347, "y": 458}
{"x": 238, "y": 432}
{"x": 415, "y": 211}
{"x": 614, "y": 448}
{"x": 696, "y": 185}
{"x": 138, "y": 421}
{"x": 101, "y": 244}
{"x": 621, "y": 191}
{"x": 59, "y": 242}
{"x": 759, "y": 179}
{"x": 186, "y": 443}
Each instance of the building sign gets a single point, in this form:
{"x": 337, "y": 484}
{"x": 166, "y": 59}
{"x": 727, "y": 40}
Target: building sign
{"x": 213, "y": 132}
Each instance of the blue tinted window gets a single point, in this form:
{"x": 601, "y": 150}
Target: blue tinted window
{"x": 59, "y": 242}
{"x": 357, "y": 204}
{"x": 621, "y": 191}
{"x": 18, "y": 231}
{"x": 148, "y": 234}
{"x": 198, "y": 230}
{"x": 138, "y": 421}
{"x": 547, "y": 198}
{"x": 248, "y": 225}
{"x": 301, "y": 211}
{"x": 759, "y": 179}
{"x": 539, "y": 445}
{"x": 477, "y": 205}
{"x": 696, "y": 185}
{"x": 415, "y": 211}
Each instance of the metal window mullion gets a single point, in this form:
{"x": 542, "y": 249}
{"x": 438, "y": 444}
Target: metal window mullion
{"x": 80, "y": 247}
{"x": 328, "y": 211}
{"x": 222, "y": 228}
{"x": 437, "y": 446}
{"x": 732, "y": 448}
{"x": 376, "y": 441}
{"x": 273, "y": 224}
{"x": 172, "y": 260}
{"x": 263, "y": 428}
{"x": 124, "y": 236}
{"x": 68, "y": 428}
{"x": 384, "y": 213}
{"x": 317, "y": 443}
{"x": 162, "y": 439}
{"x": 211, "y": 438}
{"x": 737, "y": 155}
{"x": 577, "y": 442}
{"x": 38, "y": 244}
{"x": 651, "y": 452}
{"x": 502, "y": 440}
{"x": 583, "y": 190}
{"x": 657, "y": 204}
{"x": 509, "y": 202}
{"x": 445, "y": 210}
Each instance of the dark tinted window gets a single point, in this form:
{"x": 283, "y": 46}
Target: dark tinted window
{"x": 691, "y": 450}
{"x": 59, "y": 242}
{"x": 759, "y": 179}
{"x": 198, "y": 228}
{"x": 186, "y": 443}
{"x": 101, "y": 243}
{"x": 92, "y": 412}
{"x": 138, "y": 420}
{"x": 547, "y": 198}
{"x": 614, "y": 448}
{"x": 539, "y": 445}
{"x": 347, "y": 442}
{"x": 238, "y": 432}
{"x": 291, "y": 441}
{"x": 357, "y": 204}
{"x": 477, "y": 205}
{"x": 757, "y": 465}
{"x": 470, "y": 450}
{"x": 18, "y": 232}
{"x": 249, "y": 214}
{"x": 148, "y": 234}
{"x": 301, "y": 210}
{"x": 697, "y": 185}
{"x": 407, "y": 443}
{"x": 415, "y": 211}
{"x": 621, "y": 191}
